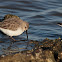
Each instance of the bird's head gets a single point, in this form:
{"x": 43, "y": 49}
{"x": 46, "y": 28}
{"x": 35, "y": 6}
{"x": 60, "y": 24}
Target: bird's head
{"x": 26, "y": 25}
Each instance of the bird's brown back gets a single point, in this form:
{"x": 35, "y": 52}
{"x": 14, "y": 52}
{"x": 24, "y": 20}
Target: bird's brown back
{"x": 11, "y": 23}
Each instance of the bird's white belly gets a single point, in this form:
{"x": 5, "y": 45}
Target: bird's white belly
{"x": 12, "y": 33}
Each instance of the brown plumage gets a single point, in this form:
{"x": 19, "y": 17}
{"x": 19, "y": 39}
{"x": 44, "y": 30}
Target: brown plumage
{"x": 11, "y": 23}
{"x": 14, "y": 26}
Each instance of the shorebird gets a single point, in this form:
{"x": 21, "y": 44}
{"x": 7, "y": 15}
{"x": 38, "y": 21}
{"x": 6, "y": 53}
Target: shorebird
{"x": 60, "y": 24}
{"x": 14, "y": 27}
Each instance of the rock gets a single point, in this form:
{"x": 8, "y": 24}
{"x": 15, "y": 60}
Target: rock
{"x": 44, "y": 51}
{"x": 37, "y": 55}
{"x": 59, "y": 57}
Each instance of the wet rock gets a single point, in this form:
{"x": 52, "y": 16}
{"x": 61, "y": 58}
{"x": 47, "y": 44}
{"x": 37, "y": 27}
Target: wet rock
{"x": 37, "y": 55}
{"x": 53, "y": 45}
{"x": 44, "y": 51}
{"x": 43, "y": 56}
{"x": 59, "y": 57}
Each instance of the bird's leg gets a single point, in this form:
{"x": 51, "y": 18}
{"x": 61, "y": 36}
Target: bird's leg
{"x": 12, "y": 39}
{"x": 11, "y": 42}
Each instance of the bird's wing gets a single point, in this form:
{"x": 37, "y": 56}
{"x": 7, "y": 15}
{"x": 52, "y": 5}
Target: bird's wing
{"x": 11, "y": 23}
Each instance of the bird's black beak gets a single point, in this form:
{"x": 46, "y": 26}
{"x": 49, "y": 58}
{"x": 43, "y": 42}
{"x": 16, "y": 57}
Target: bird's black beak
{"x": 27, "y": 34}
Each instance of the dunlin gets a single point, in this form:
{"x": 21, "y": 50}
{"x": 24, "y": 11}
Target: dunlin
{"x": 14, "y": 26}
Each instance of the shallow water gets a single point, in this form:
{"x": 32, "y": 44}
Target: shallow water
{"x": 42, "y": 15}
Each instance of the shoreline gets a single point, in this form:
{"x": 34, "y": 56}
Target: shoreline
{"x": 44, "y": 51}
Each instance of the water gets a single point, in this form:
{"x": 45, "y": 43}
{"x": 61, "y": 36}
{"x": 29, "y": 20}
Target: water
{"x": 42, "y": 15}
